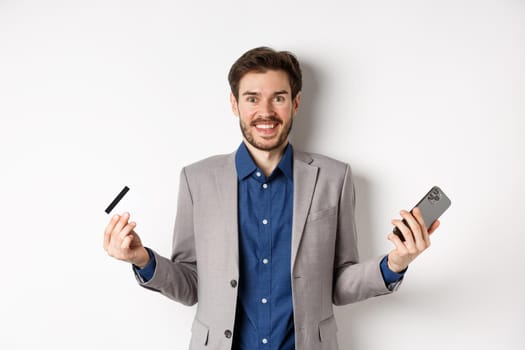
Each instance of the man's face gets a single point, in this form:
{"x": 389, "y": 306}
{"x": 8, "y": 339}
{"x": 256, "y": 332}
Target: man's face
{"x": 265, "y": 108}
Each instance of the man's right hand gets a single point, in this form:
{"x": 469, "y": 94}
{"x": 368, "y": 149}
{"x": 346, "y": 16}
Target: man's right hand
{"x": 123, "y": 243}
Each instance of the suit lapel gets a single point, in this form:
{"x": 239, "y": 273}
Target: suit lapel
{"x": 226, "y": 183}
{"x": 305, "y": 177}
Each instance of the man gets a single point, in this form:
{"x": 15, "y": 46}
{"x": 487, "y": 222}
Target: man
{"x": 265, "y": 237}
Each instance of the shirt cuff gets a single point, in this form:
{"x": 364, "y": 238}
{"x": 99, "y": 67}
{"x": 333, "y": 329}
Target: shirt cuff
{"x": 390, "y": 276}
{"x": 148, "y": 271}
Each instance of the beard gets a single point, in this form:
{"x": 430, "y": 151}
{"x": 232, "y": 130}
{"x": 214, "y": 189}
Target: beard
{"x": 278, "y": 142}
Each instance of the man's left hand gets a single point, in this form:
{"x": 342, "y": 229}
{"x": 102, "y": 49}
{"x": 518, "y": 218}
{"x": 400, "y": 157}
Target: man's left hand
{"x": 417, "y": 239}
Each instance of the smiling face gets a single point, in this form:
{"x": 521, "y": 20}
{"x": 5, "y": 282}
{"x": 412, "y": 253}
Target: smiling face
{"x": 265, "y": 109}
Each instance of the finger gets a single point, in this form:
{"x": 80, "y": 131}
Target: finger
{"x": 111, "y": 224}
{"x": 417, "y": 225}
{"x": 126, "y": 230}
{"x": 416, "y": 212}
{"x": 400, "y": 246}
{"x": 109, "y": 229}
{"x": 405, "y": 231}
{"x": 433, "y": 227}
{"x": 123, "y": 221}
{"x": 126, "y": 243}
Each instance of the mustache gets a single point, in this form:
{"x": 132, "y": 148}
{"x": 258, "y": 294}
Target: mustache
{"x": 267, "y": 119}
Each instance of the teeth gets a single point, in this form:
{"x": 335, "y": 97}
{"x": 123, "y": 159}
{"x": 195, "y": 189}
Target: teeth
{"x": 266, "y": 126}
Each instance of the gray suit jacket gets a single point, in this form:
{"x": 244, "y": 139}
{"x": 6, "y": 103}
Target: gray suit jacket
{"x": 204, "y": 266}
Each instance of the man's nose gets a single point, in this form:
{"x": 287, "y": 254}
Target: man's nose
{"x": 266, "y": 109}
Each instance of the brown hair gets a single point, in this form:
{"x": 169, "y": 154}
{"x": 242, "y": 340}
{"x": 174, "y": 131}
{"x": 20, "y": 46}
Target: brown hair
{"x": 262, "y": 59}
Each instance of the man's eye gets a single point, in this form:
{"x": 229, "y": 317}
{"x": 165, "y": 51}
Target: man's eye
{"x": 251, "y": 99}
{"x": 279, "y": 98}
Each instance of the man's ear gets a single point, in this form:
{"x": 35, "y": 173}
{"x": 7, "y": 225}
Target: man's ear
{"x": 235, "y": 106}
{"x": 296, "y": 103}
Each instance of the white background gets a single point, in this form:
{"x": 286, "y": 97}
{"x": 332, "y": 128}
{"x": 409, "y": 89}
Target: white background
{"x": 95, "y": 95}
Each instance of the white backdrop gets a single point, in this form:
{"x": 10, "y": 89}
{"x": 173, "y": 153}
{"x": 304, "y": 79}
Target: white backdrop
{"x": 95, "y": 95}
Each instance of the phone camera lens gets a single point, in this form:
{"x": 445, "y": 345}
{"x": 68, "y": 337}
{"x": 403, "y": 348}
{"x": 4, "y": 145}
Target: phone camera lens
{"x": 433, "y": 197}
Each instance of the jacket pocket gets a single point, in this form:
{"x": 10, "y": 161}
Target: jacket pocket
{"x": 321, "y": 214}
{"x": 199, "y": 334}
{"x": 328, "y": 329}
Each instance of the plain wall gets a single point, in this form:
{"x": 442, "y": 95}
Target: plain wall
{"x": 95, "y": 95}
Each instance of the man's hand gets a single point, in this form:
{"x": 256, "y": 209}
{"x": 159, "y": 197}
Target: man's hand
{"x": 121, "y": 242}
{"x": 417, "y": 239}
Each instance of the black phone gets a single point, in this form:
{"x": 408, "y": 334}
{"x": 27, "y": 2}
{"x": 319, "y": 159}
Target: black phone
{"x": 432, "y": 205}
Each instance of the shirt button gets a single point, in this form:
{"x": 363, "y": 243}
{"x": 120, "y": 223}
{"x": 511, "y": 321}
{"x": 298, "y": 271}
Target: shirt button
{"x": 228, "y": 333}
{"x": 264, "y": 341}
{"x": 264, "y": 300}
{"x": 265, "y": 222}
{"x": 265, "y": 186}
{"x": 258, "y": 174}
{"x": 265, "y": 261}
{"x": 233, "y": 283}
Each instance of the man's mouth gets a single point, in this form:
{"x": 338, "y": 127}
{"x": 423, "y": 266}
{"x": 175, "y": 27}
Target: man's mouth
{"x": 266, "y": 125}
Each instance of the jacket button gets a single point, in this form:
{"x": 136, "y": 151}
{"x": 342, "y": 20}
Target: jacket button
{"x": 228, "y": 333}
{"x": 233, "y": 283}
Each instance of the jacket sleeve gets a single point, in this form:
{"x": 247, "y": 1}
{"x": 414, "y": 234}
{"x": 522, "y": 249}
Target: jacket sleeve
{"x": 353, "y": 281}
{"x": 176, "y": 278}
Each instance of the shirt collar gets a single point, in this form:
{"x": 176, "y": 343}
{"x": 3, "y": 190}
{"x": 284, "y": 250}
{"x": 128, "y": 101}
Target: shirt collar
{"x": 246, "y": 166}
{"x": 286, "y": 163}
{"x": 244, "y": 162}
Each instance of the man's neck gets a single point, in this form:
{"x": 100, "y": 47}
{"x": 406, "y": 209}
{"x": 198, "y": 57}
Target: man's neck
{"x": 266, "y": 160}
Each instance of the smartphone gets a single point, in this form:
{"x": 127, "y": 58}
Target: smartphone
{"x": 432, "y": 205}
